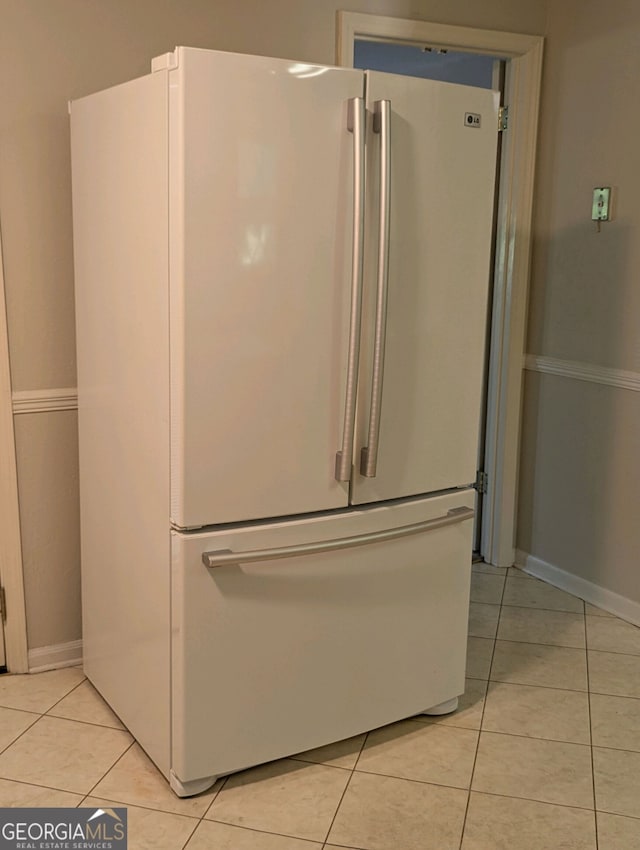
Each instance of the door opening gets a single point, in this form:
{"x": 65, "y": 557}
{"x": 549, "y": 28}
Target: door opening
{"x": 430, "y": 63}
{"x": 523, "y": 72}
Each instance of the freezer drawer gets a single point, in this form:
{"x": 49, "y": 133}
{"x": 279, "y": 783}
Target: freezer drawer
{"x": 281, "y": 655}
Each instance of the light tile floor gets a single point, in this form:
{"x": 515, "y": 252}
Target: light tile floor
{"x": 543, "y": 753}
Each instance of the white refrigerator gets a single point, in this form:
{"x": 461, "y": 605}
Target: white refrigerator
{"x": 281, "y": 290}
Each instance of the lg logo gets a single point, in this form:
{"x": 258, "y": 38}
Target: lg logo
{"x": 472, "y": 119}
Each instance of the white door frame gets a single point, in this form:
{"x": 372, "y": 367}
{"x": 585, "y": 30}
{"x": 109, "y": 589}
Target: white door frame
{"x": 513, "y": 245}
{"x": 15, "y": 626}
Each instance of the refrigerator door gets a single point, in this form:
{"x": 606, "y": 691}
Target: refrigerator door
{"x": 273, "y": 657}
{"x": 261, "y": 241}
{"x": 442, "y": 160}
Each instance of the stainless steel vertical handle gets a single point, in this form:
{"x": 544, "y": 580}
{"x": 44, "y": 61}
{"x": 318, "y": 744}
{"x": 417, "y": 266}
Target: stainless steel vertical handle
{"x": 381, "y": 125}
{"x": 355, "y": 125}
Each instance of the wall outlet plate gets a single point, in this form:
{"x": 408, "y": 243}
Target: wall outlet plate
{"x": 601, "y": 205}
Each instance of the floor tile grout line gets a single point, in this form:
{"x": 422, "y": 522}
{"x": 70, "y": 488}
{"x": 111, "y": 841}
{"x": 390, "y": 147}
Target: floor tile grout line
{"x": 21, "y": 710}
{"x": 203, "y": 817}
{"x": 541, "y": 608}
{"x": 109, "y": 769}
{"x": 64, "y": 696}
{"x": 596, "y": 617}
{"x": 335, "y": 814}
{"x": 553, "y": 688}
{"x": 17, "y": 738}
{"x": 530, "y": 643}
{"x": 45, "y": 787}
{"x": 139, "y": 805}
{"x": 530, "y": 684}
{"x": 223, "y": 784}
{"x": 484, "y": 705}
{"x": 535, "y": 737}
{"x": 473, "y": 767}
{"x": 361, "y": 750}
{"x": 593, "y": 770}
{"x": 617, "y": 814}
{"x": 283, "y": 834}
{"x": 147, "y": 807}
{"x": 342, "y": 796}
{"x": 325, "y": 764}
{"x": 123, "y": 728}
{"x": 415, "y": 781}
{"x": 47, "y": 713}
{"x": 41, "y": 717}
{"x": 518, "y": 573}
{"x": 532, "y": 607}
{"x": 192, "y": 833}
{"x": 536, "y": 643}
{"x": 609, "y": 616}
{"x": 617, "y": 750}
{"x": 318, "y": 841}
{"x": 535, "y": 685}
{"x": 614, "y": 652}
{"x": 224, "y": 781}
{"x": 53, "y": 704}
{"x": 549, "y": 803}
{"x": 562, "y": 646}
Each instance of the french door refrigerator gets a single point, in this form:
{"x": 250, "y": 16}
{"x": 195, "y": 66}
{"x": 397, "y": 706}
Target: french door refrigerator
{"x": 281, "y": 287}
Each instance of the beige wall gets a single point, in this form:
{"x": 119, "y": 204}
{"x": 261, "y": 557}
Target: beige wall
{"x": 580, "y": 474}
{"x": 47, "y": 459}
{"x": 55, "y": 50}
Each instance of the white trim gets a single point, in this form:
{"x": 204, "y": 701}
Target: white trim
{"x": 55, "y": 656}
{"x": 620, "y": 378}
{"x": 45, "y": 401}
{"x": 513, "y": 246}
{"x": 352, "y": 25}
{"x": 15, "y": 626}
{"x": 601, "y": 597}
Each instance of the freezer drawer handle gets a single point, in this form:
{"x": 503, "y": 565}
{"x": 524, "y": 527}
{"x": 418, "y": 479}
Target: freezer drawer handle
{"x": 381, "y": 125}
{"x": 225, "y": 557}
{"x": 355, "y": 125}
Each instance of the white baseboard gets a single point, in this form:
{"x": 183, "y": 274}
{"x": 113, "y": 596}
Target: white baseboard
{"x": 614, "y": 603}
{"x": 55, "y": 656}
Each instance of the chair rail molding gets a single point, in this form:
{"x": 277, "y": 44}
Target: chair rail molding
{"x": 621, "y": 378}
{"x": 45, "y": 401}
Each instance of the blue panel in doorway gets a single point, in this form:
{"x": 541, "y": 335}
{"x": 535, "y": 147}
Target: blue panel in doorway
{"x": 469, "y": 69}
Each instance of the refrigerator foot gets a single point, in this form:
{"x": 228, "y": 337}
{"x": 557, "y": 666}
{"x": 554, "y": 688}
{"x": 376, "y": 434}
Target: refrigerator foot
{"x": 443, "y": 708}
{"x": 188, "y": 789}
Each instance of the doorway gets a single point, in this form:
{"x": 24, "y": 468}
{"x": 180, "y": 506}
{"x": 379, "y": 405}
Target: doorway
{"x": 523, "y": 65}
